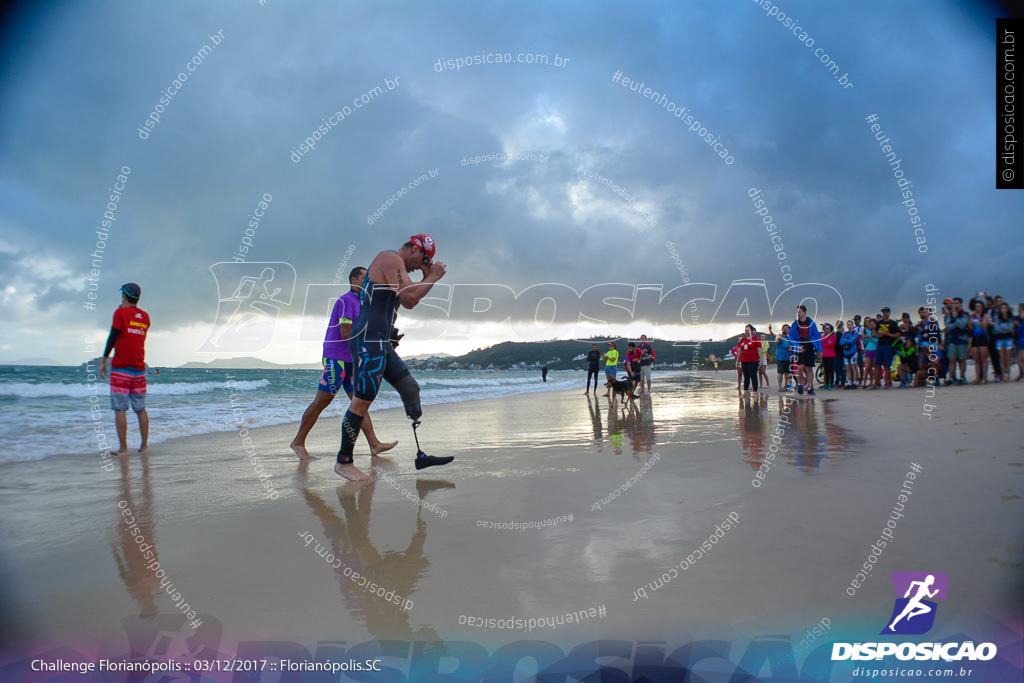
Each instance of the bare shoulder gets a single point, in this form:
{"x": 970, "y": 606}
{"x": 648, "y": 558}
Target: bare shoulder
{"x": 384, "y": 263}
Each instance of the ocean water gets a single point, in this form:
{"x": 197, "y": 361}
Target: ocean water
{"x": 48, "y": 410}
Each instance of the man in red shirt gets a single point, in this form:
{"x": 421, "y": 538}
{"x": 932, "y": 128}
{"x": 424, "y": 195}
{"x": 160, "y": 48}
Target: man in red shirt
{"x": 128, "y": 370}
{"x": 749, "y": 358}
{"x": 633, "y": 362}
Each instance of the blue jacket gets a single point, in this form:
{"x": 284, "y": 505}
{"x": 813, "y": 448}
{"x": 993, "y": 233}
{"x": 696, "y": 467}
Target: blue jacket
{"x": 812, "y": 333}
{"x": 849, "y": 343}
{"x": 782, "y": 349}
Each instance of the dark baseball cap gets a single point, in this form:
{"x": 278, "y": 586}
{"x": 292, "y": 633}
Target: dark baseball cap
{"x": 131, "y": 290}
{"x": 886, "y": 308}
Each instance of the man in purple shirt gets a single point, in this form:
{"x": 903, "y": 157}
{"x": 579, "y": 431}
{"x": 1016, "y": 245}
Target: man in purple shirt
{"x": 338, "y": 369}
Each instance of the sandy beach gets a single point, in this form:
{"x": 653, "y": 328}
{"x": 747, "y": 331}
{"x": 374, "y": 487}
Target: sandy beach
{"x": 556, "y": 504}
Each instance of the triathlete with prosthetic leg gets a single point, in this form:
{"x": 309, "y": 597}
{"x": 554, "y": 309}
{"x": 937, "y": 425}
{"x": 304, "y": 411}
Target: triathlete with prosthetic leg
{"x": 338, "y": 366}
{"x": 387, "y": 285}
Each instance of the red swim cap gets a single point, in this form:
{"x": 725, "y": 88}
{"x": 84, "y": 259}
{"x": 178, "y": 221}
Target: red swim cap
{"x": 425, "y": 244}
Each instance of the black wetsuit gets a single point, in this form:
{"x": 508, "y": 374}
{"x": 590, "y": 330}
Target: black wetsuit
{"x": 372, "y": 353}
{"x": 374, "y": 357}
{"x": 594, "y": 368}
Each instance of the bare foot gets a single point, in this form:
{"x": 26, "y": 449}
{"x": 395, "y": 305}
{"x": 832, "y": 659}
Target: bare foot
{"x": 143, "y": 449}
{"x": 120, "y": 451}
{"x": 381, "y": 447}
{"x": 300, "y": 450}
{"x": 351, "y": 473}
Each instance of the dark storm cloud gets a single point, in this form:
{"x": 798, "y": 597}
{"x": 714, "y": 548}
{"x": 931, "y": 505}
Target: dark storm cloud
{"x": 83, "y": 79}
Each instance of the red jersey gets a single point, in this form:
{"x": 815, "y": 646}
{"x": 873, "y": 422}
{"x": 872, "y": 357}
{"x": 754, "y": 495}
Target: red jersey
{"x": 749, "y": 350}
{"x": 130, "y": 347}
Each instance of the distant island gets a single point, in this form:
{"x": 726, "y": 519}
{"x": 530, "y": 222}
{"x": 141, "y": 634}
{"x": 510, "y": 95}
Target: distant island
{"x": 556, "y": 354}
{"x": 32, "y": 361}
{"x": 248, "y": 363}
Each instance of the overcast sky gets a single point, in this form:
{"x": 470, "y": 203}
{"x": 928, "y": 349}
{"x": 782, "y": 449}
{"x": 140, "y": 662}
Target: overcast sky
{"x": 78, "y": 81}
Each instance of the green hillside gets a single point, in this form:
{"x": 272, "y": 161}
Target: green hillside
{"x": 560, "y": 354}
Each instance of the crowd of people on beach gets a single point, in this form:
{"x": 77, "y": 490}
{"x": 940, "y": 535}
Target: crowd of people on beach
{"x": 881, "y": 352}
{"x": 638, "y": 362}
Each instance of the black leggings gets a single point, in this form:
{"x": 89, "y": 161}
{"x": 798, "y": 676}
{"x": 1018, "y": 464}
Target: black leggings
{"x": 750, "y": 374}
{"x": 830, "y": 371}
{"x": 592, "y": 372}
{"x": 993, "y": 354}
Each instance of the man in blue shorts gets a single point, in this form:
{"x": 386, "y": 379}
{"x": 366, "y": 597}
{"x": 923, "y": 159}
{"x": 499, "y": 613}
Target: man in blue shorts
{"x": 337, "y": 360}
{"x": 386, "y": 287}
{"x": 611, "y": 367}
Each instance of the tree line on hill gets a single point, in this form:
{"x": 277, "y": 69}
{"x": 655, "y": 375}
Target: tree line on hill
{"x": 565, "y": 354}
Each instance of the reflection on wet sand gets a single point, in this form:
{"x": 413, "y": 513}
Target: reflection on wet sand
{"x": 595, "y": 418}
{"x": 634, "y": 420}
{"x": 141, "y": 583}
{"x": 753, "y": 425}
{"x": 398, "y": 571}
{"x": 177, "y": 633}
{"x": 805, "y": 441}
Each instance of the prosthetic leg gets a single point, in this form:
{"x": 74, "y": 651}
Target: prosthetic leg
{"x": 422, "y": 459}
{"x": 409, "y": 389}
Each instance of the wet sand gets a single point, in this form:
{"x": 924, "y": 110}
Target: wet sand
{"x": 75, "y": 576}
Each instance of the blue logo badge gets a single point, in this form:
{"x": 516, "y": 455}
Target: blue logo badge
{"x": 914, "y": 611}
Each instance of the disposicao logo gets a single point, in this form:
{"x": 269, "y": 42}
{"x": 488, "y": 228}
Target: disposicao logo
{"x": 914, "y": 614}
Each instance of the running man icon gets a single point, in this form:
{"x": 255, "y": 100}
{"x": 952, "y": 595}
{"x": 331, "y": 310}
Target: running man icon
{"x": 250, "y": 298}
{"x": 923, "y": 586}
{"x": 915, "y": 607}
